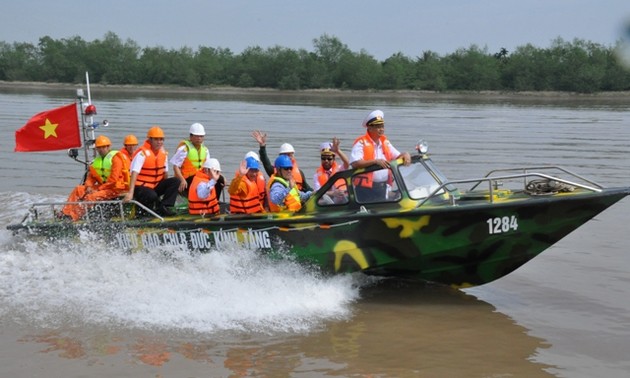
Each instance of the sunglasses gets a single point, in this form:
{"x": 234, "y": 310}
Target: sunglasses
{"x": 329, "y": 158}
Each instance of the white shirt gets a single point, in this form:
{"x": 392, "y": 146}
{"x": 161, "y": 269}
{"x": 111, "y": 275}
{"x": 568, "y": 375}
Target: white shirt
{"x": 204, "y": 188}
{"x": 357, "y": 154}
{"x": 138, "y": 162}
{"x": 179, "y": 156}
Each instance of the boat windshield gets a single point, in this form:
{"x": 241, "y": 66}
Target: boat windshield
{"x": 422, "y": 178}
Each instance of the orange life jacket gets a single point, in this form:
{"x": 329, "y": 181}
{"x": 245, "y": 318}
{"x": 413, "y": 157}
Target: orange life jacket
{"x": 126, "y": 154}
{"x": 205, "y": 206}
{"x": 126, "y": 158}
{"x": 126, "y": 171}
{"x": 154, "y": 169}
{"x": 365, "y": 179}
{"x": 262, "y": 190}
{"x": 297, "y": 176}
{"x": 252, "y": 203}
{"x": 291, "y": 201}
{"x": 323, "y": 176}
{"x": 195, "y": 158}
{"x": 122, "y": 182}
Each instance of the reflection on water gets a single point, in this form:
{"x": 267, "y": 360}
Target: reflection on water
{"x": 398, "y": 329}
{"x": 439, "y": 332}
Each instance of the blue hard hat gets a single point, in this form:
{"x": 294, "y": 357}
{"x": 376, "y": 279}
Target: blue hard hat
{"x": 283, "y": 161}
{"x": 252, "y": 163}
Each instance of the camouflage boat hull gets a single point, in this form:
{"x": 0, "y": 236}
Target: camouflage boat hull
{"x": 451, "y": 237}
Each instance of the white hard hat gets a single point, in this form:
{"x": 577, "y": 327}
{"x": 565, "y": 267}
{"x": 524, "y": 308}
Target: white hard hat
{"x": 286, "y": 148}
{"x": 374, "y": 118}
{"x": 212, "y": 163}
{"x": 197, "y": 129}
{"x": 252, "y": 154}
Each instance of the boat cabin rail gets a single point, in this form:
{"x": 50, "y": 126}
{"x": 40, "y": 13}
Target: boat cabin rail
{"x": 98, "y": 211}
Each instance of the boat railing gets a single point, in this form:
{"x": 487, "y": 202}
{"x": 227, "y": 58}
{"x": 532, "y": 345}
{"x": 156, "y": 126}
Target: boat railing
{"x": 525, "y": 170}
{"x": 95, "y": 210}
{"x": 495, "y": 181}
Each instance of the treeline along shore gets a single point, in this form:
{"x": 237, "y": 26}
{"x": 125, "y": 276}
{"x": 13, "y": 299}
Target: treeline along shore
{"x": 525, "y": 96}
{"x": 578, "y": 66}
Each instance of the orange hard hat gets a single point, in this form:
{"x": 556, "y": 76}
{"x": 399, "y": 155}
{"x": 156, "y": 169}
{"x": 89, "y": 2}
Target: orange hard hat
{"x": 102, "y": 141}
{"x": 130, "y": 140}
{"x": 155, "y": 132}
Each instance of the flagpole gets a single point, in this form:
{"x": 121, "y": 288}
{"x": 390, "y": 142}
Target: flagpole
{"x": 88, "y": 127}
{"x": 87, "y": 81}
{"x": 80, "y": 98}
{"x": 89, "y": 96}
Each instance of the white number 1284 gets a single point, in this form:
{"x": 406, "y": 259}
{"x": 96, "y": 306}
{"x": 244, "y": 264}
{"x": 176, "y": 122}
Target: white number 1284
{"x": 501, "y": 225}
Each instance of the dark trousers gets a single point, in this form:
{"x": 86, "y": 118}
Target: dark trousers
{"x": 376, "y": 193}
{"x": 218, "y": 187}
{"x": 166, "y": 189}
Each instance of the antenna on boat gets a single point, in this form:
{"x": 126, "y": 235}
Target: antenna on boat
{"x": 88, "y": 110}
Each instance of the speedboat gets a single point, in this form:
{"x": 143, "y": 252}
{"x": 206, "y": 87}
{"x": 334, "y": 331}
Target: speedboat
{"x": 456, "y": 232}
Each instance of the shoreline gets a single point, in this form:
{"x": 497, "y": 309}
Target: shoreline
{"x": 225, "y": 90}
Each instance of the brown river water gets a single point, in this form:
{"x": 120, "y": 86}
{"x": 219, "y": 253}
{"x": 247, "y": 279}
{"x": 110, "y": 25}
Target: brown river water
{"x": 85, "y": 310}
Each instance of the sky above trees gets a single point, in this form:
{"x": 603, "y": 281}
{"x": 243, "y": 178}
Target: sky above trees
{"x": 380, "y": 28}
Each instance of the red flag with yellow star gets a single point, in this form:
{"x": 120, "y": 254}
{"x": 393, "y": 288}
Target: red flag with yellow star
{"x": 55, "y": 129}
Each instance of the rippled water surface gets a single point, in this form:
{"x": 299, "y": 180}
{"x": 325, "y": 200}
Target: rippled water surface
{"x": 86, "y": 310}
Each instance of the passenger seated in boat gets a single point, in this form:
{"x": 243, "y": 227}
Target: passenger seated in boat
{"x": 202, "y": 196}
{"x": 149, "y": 175}
{"x": 108, "y": 178}
{"x": 245, "y": 190}
{"x": 282, "y": 189}
{"x": 339, "y": 192}
{"x": 130, "y": 145}
{"x": 189, "y": 157}
{"x": 287, "y": 150}
{"x": 262, "y": 182}
{"x": 374, "y": 148}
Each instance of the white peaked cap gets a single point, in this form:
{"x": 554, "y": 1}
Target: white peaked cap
{"x": 326, "y": 147}
{"x": 212, "y": 163}
{"x": 376, "y": 115}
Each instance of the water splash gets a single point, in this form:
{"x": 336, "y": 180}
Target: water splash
{"x": 86, "y": 282}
